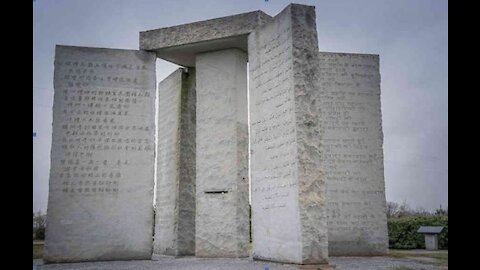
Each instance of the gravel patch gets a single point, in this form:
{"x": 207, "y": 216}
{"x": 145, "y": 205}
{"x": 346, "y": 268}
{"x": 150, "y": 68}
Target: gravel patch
{"x": 192, "y": 263}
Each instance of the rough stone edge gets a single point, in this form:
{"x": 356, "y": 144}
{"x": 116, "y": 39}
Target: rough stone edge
{"x": 311, "y": 185}
{"x": 242, "y": 183}
{"x": 156, "y": 242}
{"x": 187, "y": 145}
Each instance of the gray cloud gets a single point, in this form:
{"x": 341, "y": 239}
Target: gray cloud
{"x": 410, "y": 36}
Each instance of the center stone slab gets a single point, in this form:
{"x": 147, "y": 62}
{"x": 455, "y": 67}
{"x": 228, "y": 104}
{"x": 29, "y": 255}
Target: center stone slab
{"x": 222, "y": 219}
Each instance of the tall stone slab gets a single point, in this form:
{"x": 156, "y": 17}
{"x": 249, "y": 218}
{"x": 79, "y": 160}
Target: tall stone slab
{"x": 352, "y": 154}
{"x": 222, "y": 219}
{"x": 102, "y": 158}
{"x": 175, "y": 200}
{"x": 288, "y": 187}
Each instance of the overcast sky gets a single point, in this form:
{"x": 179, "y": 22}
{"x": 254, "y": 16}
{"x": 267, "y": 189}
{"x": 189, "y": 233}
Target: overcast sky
{"x": 409, "y": 35}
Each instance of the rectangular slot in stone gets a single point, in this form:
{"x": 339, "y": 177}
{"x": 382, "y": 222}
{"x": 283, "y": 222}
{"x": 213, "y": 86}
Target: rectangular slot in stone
{"x": 216, "y": 192}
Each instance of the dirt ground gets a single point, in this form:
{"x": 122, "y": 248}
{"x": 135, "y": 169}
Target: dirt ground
{"x": 396, "y": 260}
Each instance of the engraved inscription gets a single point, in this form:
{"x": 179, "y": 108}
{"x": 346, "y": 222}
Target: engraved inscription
{"x": 102, "y": 157}
{"x": 101, "y": 124}
{"x": 273, "y": 122}
{"x": 352, "y": 156}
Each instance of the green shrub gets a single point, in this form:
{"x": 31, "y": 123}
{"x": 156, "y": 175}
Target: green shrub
{"x": 402, "y": 232}
{"x": 40, "y": 234}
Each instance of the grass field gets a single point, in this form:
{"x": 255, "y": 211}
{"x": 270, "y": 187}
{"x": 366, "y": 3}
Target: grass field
{"x": 37, "y": 249}
{"x": 434, "y": 258}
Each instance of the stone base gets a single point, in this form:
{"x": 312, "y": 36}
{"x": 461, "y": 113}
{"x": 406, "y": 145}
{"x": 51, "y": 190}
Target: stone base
{"x": 322, "y": 266}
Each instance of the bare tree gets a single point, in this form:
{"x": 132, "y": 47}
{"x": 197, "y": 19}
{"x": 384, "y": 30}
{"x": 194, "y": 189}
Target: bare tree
{"x": 441, "y": 212}
{"x": 39, "y": 221}
{"x": 392, "y": 209}
{"x": 404, "y": 210}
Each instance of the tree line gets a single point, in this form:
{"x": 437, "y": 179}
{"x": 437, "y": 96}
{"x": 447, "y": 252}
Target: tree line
{"x": 39, "y": 222}
{"x": 396, "y": 210}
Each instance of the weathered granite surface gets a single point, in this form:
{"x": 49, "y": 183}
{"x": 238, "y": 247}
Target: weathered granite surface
{"x": 102, "y": 157}
{"x": 352, "y": 154}
{"x": 288, "y": 188}
{"x": 234, "y": 25}
{"x": 186, "y": 214}
{"x": 222, "y": 220}
{"x": 179, "y": 44}
{"x": 175, "y": 201}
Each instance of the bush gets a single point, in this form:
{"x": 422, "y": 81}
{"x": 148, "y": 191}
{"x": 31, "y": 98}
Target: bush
{"x": 402, "y": 232}
{"x": 40, "y": 234}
